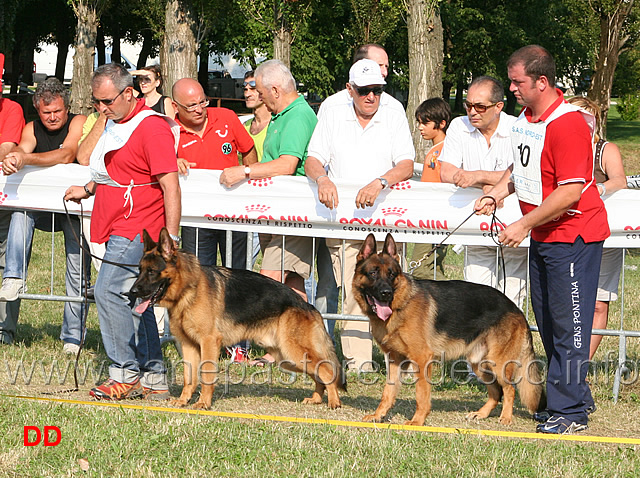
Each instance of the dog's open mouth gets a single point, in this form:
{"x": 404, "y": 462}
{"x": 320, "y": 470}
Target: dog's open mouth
{"x": 150, "y": 302}
{"x": 381, "y": 309}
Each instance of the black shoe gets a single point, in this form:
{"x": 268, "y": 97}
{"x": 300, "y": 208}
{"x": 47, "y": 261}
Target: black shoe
{"x": 542, "y": 416}
{"x": 5, "y": 338}
{"x": 91, "y": 293}
{"x": 560, "y": 426}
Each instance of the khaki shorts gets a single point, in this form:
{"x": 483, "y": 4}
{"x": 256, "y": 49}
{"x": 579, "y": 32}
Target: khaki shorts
{"x": 297, "y": 254}
{"x": 609, "y": 279}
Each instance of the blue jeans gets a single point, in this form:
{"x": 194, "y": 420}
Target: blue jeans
{"x": 18, "y": 255}
{"x": 208, "y": 242}
{"x": 8, "y": 310}
{"x": 130, "y": 340}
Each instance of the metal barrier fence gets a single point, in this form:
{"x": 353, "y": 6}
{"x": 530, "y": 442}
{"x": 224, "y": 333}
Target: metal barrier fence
{"x": 620, "y": 370}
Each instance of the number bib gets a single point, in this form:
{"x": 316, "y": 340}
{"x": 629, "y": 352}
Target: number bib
{"x": 527, "y": 143}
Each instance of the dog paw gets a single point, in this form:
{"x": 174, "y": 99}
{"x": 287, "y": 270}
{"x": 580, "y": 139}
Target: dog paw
{"x": 505, "y": 421}
{"x": 201, "y": 406}
{"x": 414, "y": 423}
{"x": 334, "y": 404}
{"x": 179, "y": 403}
{"x": 372, "y": 418}
{"x": 475, "y": 416}
{"x": 312, "y": 401}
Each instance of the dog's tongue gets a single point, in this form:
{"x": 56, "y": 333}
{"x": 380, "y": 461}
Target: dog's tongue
{"x": 383, "y": 311}
{"x": 144, "y": 305}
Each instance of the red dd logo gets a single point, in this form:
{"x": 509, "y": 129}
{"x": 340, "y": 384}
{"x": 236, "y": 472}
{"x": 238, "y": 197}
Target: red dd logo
{"x": 39, "y": 434}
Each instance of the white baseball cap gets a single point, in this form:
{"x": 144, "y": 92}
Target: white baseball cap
{"x": 366, "y": 72}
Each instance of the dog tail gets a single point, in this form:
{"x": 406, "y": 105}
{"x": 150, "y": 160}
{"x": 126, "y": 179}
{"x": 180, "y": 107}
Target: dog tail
{"x": 331, "y": 356}
{"x": 532, "y": 394}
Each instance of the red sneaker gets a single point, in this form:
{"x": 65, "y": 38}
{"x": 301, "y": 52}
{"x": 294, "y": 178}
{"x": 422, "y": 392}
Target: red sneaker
{"x": 155, "y": 395}
{"x": 238, "y": 354}
{"x": 112, "y": 390}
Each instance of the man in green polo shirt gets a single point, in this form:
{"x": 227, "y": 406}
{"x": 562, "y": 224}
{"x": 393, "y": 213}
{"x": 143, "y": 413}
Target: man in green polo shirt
{"x": 285, "y": 151}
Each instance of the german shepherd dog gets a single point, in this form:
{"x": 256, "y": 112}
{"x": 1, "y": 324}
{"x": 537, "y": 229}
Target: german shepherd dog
{"x": 212, "y": 307}
{"x": 419, "y": 319}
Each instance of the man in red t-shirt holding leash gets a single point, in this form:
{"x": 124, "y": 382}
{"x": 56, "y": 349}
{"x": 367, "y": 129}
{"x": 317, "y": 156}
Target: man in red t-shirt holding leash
{"x": 135, "y": 180}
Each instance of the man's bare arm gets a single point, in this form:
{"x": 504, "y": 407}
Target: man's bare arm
{"x": 89, "y": 143}
{"x": 23, "y": 154}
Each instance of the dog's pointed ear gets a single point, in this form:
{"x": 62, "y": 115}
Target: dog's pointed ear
{"x": 390, "y": 247}
{"x": 368, "y": 248}
{"x": 167, "y": 245}
{"x": 149, "y": 243}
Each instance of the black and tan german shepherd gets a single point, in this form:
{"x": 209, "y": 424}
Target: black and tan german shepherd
{"x": 212, "y": 307}
{"x": 422, "y": 320}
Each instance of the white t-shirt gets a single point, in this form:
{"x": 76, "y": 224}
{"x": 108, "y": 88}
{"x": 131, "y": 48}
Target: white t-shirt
{"x": 466, "y": 148}
{"x": 349, "y": 151}
{"x": 344, "y": 98}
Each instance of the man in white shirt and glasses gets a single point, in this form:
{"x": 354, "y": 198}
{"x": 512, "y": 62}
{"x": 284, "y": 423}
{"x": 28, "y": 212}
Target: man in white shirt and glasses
{"x": 476, "y": 153}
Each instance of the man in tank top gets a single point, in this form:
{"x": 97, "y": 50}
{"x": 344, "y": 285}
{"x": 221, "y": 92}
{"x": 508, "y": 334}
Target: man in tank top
{"x": 51, "y": 139}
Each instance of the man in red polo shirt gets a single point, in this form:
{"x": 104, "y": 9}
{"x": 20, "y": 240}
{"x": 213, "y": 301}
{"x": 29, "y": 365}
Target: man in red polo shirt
{"x": 210, "y": 138}
{"x": 552, "y": 174}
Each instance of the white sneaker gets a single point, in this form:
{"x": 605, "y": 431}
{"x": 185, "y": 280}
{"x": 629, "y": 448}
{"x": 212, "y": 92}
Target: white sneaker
{"x": 71, "y": 349}
{"x": 11, "y": 287}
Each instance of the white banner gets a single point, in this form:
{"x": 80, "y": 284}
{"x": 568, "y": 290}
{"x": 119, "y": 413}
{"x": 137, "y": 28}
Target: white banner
{"x": 412, "y": 211}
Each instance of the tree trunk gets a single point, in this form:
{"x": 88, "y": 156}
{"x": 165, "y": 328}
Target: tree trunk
{"x": 147, "y": 44}
{"x": 425, "y": 61}
{"x": 86, "y": 31}
{"x": 101, "y": 48}
{"x": 61, "y": 59}
{"x": 282, "y": 40}
{"x": 15, "y": 65}
{"x": 27, "y": 75}
{"x": 203, "y": 67}
{"x": 116, "y": 50}
{"x": 179, "y": 43}
{"x": 611, "y": 24}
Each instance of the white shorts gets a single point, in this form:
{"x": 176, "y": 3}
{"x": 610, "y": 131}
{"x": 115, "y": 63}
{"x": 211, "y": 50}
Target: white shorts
{"x": 609, "y": 279}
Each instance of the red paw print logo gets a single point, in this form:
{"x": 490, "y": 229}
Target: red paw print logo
{"x": 402, "y": 185}
{"x": 3, "y": 197}
{"x": 261, "y": 182}
{"x": 393, "y": 211}
{"x": 257, "y": 208}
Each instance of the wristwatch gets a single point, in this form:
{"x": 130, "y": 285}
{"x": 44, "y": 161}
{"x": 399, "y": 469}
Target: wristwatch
{"x": 384, "y": 182}
{"x": 176, "y": 239}
{"x": 247, "y": 172}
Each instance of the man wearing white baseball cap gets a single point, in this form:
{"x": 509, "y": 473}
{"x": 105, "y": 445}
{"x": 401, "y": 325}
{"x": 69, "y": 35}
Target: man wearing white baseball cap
{"x": 371, "y": 51}
{"x": 364, "y": 141}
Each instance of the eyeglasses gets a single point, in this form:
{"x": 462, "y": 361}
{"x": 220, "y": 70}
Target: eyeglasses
{"x": 96, "y": 101}
{"x": 203, "y": 104}
{"x": 480, "y": 108}
{"x": 250, "y": 84}
{"x": 365, "y": 90}
{"x": 143, "y": 80}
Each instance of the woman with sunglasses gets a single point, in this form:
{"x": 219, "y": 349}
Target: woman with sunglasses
{"x": 150, "y": 82}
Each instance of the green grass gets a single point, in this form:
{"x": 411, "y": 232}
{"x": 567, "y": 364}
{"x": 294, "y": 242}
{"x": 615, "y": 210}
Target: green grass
{"x": 126, "y": 442}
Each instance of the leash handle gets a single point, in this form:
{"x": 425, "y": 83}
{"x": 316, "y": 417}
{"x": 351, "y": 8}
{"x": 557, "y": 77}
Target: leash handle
{"x": 106, "y": 261}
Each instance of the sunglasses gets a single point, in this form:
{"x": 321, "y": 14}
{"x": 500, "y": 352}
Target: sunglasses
{"x": 143, "y": 80}
{"x": 480, "y": 108}
{"x": 250, "y": 84}
{"x": 96, "y": 101}
{"x": 203, "y": 104}
{"x": 365, "y": 90}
